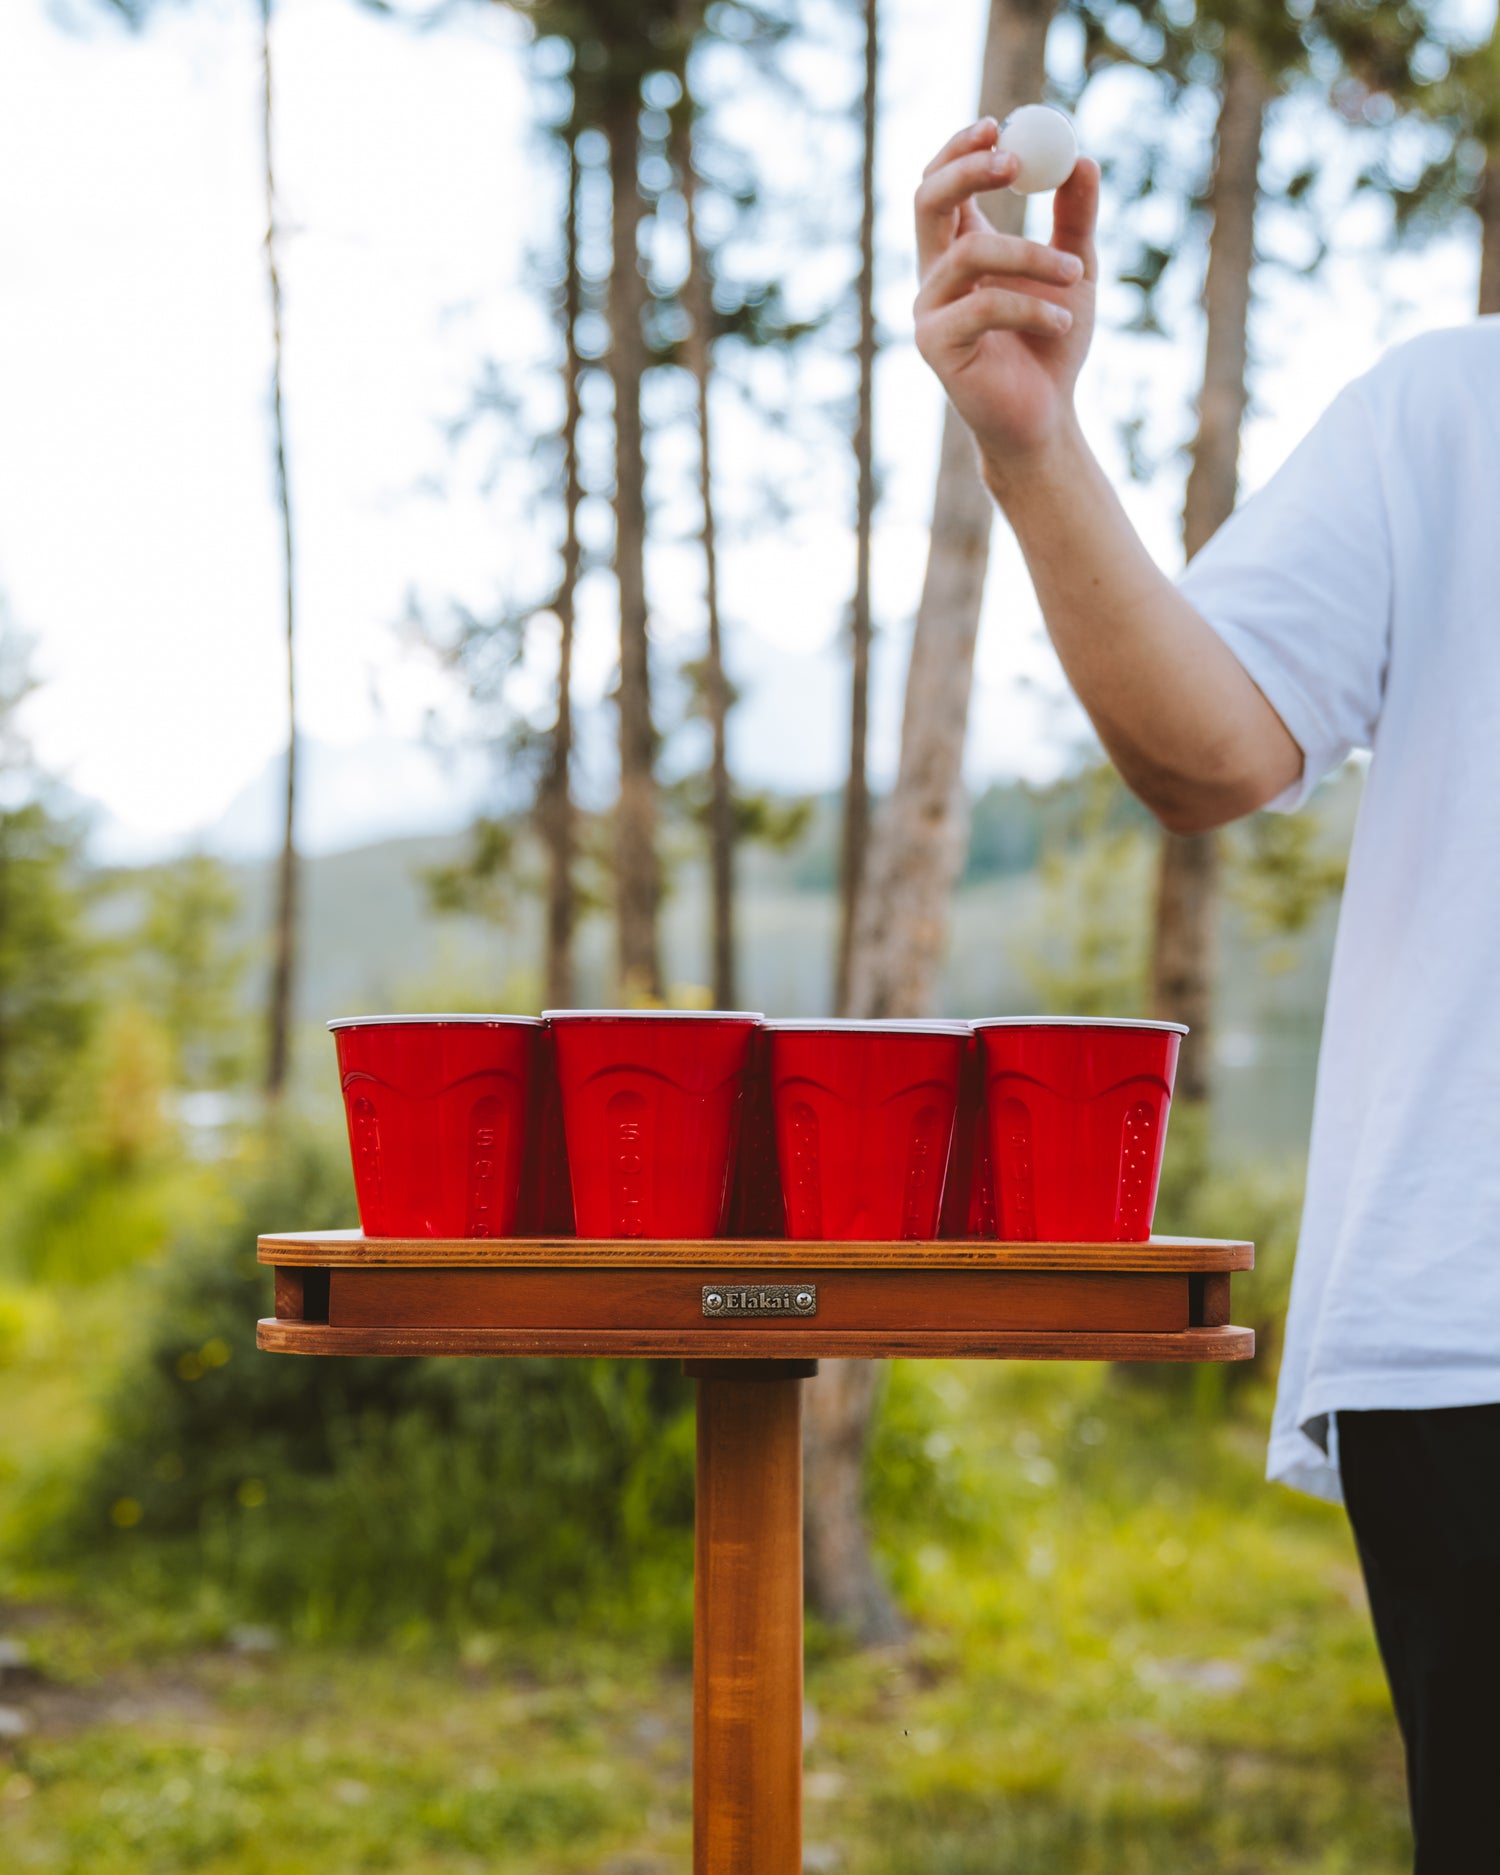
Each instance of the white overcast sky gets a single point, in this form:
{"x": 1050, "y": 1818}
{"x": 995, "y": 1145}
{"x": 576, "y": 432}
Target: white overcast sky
{"x": 138, "y": 540}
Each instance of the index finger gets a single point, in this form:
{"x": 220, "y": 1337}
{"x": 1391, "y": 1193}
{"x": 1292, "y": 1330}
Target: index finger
{"x": 977, "y": 136}
{"x": 944, "y": 193}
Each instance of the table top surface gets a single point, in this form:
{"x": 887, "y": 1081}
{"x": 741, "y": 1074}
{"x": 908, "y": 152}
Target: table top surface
{"x": 352, "y": 1249}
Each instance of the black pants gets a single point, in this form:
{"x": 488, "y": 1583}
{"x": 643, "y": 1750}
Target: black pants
{"x": 1423, "y": 1493}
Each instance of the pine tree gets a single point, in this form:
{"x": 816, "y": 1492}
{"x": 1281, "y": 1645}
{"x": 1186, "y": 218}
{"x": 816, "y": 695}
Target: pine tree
{"x": 915, "y": 858}
{"x": 856, "y": 824}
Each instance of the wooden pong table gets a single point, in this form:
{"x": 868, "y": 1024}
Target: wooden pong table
{"x": 750, "y": 1320}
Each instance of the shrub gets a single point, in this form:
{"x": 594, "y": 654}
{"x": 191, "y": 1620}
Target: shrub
{"x": 351, "y": 1496}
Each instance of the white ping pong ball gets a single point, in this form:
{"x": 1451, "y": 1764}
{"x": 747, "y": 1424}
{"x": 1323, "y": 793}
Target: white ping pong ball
{"x": 1043, "y": 140}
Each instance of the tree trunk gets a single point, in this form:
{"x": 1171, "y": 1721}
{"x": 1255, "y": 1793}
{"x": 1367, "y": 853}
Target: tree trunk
{"x": 914, "y": 860}
{"x": 637, "y": 870}
{"x": 857, "y": 792}
{"x": 555, "y": 800}
{"x": 1182, "y": 952}
{"x": 1489, "y": 225}
{"x": 1214, "y": 478}
{"x": 917, "y": 848}
{"x": 721, "y": 830}
{"x": 284, "y": 954}
{"x": 841, "y": 1582}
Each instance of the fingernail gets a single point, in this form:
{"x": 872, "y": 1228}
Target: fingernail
{"x": 1061, "y": 318}
{"x": 1072, "y": 267}
{"x": 987, "y": 123}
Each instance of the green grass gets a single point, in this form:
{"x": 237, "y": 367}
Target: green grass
{"x": 1130, "y": 1654}
{"x": 294, "y": 1762}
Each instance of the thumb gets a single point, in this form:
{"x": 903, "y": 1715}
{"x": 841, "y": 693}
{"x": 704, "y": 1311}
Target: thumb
{"x": 1075, "y": 210}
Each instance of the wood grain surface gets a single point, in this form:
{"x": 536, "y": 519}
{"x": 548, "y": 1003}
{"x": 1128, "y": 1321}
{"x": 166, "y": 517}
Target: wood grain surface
{"x": 1208, "y": 1300}
{"x": 338, "y": 1249}
{"x": 290, "y": 1294}
{"x": 763, "y": 1342}
{"x": 846, "y": 1299}
{"x": 747, "y": 1629}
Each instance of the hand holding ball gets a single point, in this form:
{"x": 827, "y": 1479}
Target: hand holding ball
{"x": 1043, "y": 141}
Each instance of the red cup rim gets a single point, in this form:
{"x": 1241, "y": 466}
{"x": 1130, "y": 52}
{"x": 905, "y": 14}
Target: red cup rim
{"x": 853, "y": 1025}
{"x": 652, "y": 1015}
{"x": 1079, "y": 1022}
{"x": 430, "y": 1022}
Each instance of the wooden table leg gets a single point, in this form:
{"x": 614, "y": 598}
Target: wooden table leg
{"x": 747, "y": 1618}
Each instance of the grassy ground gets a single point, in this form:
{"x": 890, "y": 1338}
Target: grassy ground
{"x": 1128, "y": 1655}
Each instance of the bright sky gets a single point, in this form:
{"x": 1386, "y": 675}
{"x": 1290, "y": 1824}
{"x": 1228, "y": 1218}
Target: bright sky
{"x": 138, "y": 538}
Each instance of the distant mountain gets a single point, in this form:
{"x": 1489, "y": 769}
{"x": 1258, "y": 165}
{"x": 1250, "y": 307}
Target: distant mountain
{"x": 372, "y": 941}
{"x": 383, "y": 789}
{"x": 380, "y": 789}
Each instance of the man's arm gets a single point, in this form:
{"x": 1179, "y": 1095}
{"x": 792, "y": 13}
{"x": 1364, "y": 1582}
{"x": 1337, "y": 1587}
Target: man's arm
{"x": 1006, "y": 325}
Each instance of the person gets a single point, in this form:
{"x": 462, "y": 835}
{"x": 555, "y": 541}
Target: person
{"x": 1352, "y": 603}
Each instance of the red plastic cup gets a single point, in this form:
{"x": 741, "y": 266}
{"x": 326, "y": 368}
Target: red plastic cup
{"x": 438, "y": 1120}
{"x": 651, "y": 1102}
{"x": 969, "y": 1191}
{"x": 1077, "y": 1112}
{"x": 864, "y": 1122}
{"x": 755, "y": 1207}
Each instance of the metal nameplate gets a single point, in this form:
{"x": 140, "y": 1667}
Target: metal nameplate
{"x": 742, "y": 1299}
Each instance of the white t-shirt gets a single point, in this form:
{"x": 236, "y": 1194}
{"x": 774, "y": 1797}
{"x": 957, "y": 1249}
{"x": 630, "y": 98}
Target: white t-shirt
{"x": 1361, "y": 590}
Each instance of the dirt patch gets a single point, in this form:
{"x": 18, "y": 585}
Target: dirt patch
{"x": 33, "y": 1705}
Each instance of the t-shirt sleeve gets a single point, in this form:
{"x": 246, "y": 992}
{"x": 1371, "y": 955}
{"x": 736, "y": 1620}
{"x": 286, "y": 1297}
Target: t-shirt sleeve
{"x": 1297, "y": 582}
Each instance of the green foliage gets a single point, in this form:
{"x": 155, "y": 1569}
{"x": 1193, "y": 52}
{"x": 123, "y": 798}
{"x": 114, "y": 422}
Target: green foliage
{"x": 45, "y": 1005}
{"x": 14, "y": 1324}
{"x": 45, "y": 992}
{"x": 369, "y": 1771}
{"x": 1087, "y": 953}
{"x": 190, "y": 970}
{"x": 71, "y": 1215}
{"x": 503, "y": 868}
{"x": 771, "y": 820}
{"x": 1131, "y": 1654}
{"x": 482, "y": 882}
{"x": 103, "y": 1185}
{"x": 917, "y": 1475}
{"x": 1285, "y": 871}
{"x": 346, "y": 1497}
{"x": 1112, "y": 1673}
{"x": 45, "y": 1001}
{"x": 778, "y": 822}
{"x": 1039, "y": 1825}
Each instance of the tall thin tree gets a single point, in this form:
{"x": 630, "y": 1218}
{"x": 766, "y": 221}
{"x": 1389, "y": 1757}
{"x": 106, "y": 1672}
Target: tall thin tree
{"x": 1260, "y": 53}
{"x": 285, "y": 931}
{"x": 556, "y": 815}
{"x": 698, "y": 349}
{"x": 856, "y": 825}
{"x": 917, "y": 844}
{"x": 1182, "y": 951}
{"x": 1482, "y": 77}
{"x": 916, "y": 853}
{"x": 1488, "y": 204}
{"x": 637, "y": 864}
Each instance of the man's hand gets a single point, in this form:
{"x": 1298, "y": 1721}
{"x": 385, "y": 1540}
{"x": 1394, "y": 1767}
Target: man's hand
{"x": 1004, "y": 322}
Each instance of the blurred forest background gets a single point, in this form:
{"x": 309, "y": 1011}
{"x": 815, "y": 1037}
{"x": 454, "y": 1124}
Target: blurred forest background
{"x": 261, "y": 1614}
